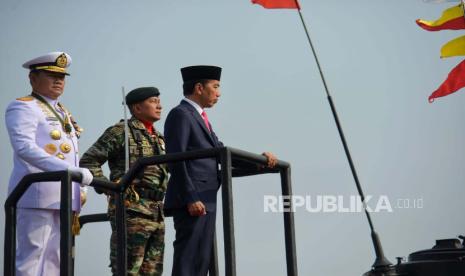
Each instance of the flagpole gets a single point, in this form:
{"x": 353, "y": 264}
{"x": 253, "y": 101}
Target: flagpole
{"x": 463, "y": 7}
{"x": 126, "y": 130}
{"x": 381, "y": 261}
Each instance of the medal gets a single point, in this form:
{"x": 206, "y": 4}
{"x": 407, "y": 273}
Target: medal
{"x": 55, "y": 134}
{"x": 60, "y": 155}
{"x": 65, "y": 124}
{"x": 65, "y": 147}
{"x": 50, "y": 148}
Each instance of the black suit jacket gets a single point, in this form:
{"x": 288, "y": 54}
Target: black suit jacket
{"x": 193, "y": 180}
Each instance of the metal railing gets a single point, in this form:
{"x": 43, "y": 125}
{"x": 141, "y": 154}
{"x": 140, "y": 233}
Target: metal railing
{"x": 66, "y": 239}
{"x": 233, "y": 162}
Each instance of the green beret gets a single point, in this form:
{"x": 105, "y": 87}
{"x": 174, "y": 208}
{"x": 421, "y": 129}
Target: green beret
{"x": 141, "y": 94}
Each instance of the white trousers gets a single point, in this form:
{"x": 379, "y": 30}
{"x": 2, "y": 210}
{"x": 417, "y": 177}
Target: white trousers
{"x": 38, "y": 242}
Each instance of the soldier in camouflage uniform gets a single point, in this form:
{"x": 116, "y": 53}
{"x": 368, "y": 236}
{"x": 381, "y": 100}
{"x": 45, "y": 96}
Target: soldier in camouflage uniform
{"x": 144, "y": 204}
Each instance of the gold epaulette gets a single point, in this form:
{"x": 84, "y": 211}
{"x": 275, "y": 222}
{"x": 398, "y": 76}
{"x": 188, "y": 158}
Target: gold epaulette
{"x": 25, "y": 99}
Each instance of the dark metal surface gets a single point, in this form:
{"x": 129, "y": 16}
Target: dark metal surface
{"x": 228, "y": 214}
{"x": 66, "y": 239}
{"x": 289, "y": 231}
{"x": 452, "y": 267}
{"x": 83, "y": 220}
{"x": 163, "y": 159}
{"x": 10, "y": 215}
{"x": 120, "y": 221}
{"x": 446, "y": 258}
{"x": 229, "y": 157}
{"x": 381, "y": 262}
{"x": 245, "y": 164}
{"x": 66, "y": 213}
{"x": 238, "y": 154}
{"x": 285, "y": 172}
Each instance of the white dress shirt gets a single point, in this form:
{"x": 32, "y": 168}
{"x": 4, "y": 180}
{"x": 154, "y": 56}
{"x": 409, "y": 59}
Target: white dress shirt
{"x": 195, "y": 105}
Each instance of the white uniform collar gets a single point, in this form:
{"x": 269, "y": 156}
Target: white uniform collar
{"x": 50, "y": 101}
{"x": 195, "y": 105}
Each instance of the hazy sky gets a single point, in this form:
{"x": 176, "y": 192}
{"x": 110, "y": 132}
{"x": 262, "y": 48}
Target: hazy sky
{"x": 380, "y": 67}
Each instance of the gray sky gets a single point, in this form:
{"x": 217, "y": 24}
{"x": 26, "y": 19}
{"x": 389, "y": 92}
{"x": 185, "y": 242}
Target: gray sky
{"x": 380, "y": 67}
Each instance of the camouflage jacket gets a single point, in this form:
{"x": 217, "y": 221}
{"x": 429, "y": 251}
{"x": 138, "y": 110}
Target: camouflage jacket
{"x": 110, "y": 147}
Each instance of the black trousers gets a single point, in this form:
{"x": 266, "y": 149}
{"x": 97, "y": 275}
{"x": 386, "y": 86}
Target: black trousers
{"x": 193, "y": 243}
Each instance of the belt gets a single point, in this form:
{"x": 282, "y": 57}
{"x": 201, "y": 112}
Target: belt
{"x": 150, "y": 194}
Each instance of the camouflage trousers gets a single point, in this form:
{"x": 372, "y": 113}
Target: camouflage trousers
{"x": 145, "y": 245}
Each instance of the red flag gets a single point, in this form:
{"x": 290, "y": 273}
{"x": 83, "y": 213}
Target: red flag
{"x": 451, "y": 19}
{"x": 278, "y": 4}
{"x": 453, "y": 24}
{"x": 455, "y": 80}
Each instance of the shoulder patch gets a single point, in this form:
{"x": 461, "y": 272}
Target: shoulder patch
{"x": 112, "y": 133}
{"x": 116, "y": 129}
{"x": 120, "y": 123}
{"x": 25, "y": 99}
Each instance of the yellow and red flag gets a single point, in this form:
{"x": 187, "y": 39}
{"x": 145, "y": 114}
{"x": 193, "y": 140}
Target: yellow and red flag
{"x": 440, "y": 1}
{"x": 278, "y": 4}
{"x": 451, "y": 19}
{"x": 455, "y": 47}
{"x": 455, "y": 81}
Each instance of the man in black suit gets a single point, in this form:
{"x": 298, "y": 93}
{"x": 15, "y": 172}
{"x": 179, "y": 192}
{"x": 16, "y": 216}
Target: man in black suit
{"x": 192, "y": 188}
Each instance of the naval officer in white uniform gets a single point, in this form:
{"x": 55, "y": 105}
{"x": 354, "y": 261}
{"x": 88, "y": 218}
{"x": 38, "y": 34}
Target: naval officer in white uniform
{"x": 44, "y": 136}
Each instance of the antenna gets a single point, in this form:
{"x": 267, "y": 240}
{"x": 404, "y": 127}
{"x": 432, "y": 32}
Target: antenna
{"x": 126, "y": 129}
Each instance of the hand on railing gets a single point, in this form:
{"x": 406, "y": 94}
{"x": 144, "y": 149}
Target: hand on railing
{"x": 271, "y": 159}
{"x": 87, "y": 176}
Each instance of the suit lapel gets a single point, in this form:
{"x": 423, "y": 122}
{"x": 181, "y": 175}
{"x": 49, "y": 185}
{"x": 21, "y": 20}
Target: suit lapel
{"x": 213, "y": 135}
{"x": 199, "y": 120}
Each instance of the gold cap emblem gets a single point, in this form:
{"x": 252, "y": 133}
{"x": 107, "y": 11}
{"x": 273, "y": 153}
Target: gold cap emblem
{"x": 55, "y": 134}
{"x": 61, "y": 61}
{"x": 50, "y": 148}
{"x": 65, "y": 147}
{"x": 60, "y": 155}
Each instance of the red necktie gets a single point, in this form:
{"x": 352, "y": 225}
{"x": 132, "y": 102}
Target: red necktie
{"x": 205, "y": 119}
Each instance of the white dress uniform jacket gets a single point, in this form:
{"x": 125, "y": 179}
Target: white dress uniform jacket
{"x": 39, "y": 145}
